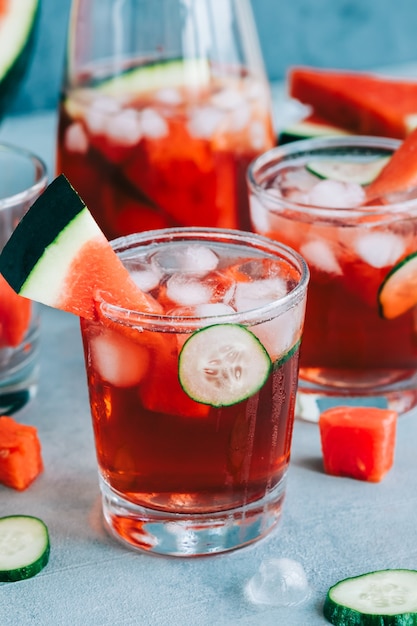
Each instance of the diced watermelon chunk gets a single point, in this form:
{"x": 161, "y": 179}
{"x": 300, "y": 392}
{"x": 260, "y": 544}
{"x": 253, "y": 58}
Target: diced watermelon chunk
{"x": 14, "y": 316}
{"x": 358, "y": 442}
{"x": 20, "y": 454}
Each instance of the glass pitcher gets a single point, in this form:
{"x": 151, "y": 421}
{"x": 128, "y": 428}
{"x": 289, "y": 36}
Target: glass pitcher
{"x": 164, "y": 104}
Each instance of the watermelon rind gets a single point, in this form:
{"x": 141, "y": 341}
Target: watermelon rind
{"x": 56, "y": 227}
{"x": 18, "y": 28}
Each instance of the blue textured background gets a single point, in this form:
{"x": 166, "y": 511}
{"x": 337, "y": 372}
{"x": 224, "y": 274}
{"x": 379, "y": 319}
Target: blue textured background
{"x": 353, "y": 34}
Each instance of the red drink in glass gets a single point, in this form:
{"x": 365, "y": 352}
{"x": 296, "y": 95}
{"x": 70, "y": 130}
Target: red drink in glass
{"x": 175, "y": 154}
{"x": 168, "y": 456}
{"x": 351, "y": 346}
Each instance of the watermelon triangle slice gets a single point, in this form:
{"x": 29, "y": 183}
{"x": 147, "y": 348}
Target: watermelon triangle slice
{"x": 400, "y": 172}
{"x": 57, "y": 255}
{"x": 359, "y": 102}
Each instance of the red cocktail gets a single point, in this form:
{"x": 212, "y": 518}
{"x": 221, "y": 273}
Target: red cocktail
{"x": 155, "y": 148}
{"x": 358, "y": 339}
{"x": 193, "y": 406}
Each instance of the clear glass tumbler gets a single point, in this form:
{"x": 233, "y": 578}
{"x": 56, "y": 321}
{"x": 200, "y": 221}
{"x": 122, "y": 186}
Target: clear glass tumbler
{"x": 23, "y": 178}
{"x": 164, "y": 104}
{"x": 360, "y": 336}
{"x": 193, "y": 404}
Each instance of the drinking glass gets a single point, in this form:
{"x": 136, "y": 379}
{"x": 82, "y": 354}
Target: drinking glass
{"x": 164, "y": 104}
{"x": 356, "y": 345}
{"x": 22, "y": 179}
{"x": 193, "y": 405}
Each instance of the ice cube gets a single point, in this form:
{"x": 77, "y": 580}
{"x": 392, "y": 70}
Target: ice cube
{"x": 204, "y": 122}
{"x": 240, "y": 118}
{"x": 118, "y": 360}
{"x": 186, "y": 290}
{"x": 259, "y": 215}
{"x": 75, "y": 138}
{"x": 379, "y": 249}
{"x": 297, "y": 178}
{"x": 319, "y": 254}
{"x": 281, "y": 333}
{"x": 153, "y": 125}
{"x": 336, "y": 194}
{"x": 257, "y": 135}
{"x": 228, "y": 99}
{"x": 146, "y": 279}
{"x": 196, "y": 259}
{"x": 257, "y": 293}
{"x": 168, "y": 95}
{"x": 211, "y": 309}
{"x": 99, "y": 113}
{"x": 279, "y": 582}
{"x": 125, "y": 128}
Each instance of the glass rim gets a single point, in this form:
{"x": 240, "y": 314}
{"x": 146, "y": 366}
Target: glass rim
{"x": 269, "y": 158}
{"x": 189, "y": 323}
{"x": 41, "y": 176}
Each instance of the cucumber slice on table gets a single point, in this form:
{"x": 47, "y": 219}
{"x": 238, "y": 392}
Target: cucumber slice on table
{"x": 381, "y": 598}
{"x": 223, "y": 364}
{"x": 361, "y": 173}
{"x": 398, "y": 292}
{"x": 24, "y": 547}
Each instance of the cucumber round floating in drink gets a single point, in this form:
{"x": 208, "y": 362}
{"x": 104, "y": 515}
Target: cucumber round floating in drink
{"x": 223, "y": 364}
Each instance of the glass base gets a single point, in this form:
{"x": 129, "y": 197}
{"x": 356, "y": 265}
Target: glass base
{"x": 19, "y": 372}
{"x": 190, "y": 534}
{"x": 397, "y": 392}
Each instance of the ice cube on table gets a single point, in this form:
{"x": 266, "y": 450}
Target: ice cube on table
{"x": 117, "y": 360}
{"x": 335, "y": 194}
{"x": 279, "y": 582}
{"x": 320, "y": 255}
{"x": 379, "y": 249}
{"x": 76, "y": 139}
{"x": 197, "y": 259}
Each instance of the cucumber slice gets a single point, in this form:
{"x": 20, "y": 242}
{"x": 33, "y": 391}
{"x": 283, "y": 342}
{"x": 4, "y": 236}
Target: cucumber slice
{"x": 24, "y": 547}
{"x": 223, "y": 364}
{"x": 361, "y": 173}
{"x": 383, "y": 598}
{"x": 398, "y": 291}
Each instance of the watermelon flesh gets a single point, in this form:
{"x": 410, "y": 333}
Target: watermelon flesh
{"x": 15, "y": 313}
{"x": 400, "y": 173}
{"x": 20, "y": 454}
{"x": 57, "y": 255}
{"x": 358, "y": 442}
{"x": 358, "y": 102}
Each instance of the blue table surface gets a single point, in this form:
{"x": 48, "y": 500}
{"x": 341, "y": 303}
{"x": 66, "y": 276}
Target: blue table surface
{"x": 334, "y": 527}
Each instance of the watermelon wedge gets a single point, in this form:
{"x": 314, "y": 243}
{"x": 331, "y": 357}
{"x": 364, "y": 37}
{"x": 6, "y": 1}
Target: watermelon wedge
{"x": 358, "y": 102}
{"x": 400, "y": 172}
{"x": 57, "y": 255}
{"x": 14, "y": 316}
{"x": 18, "y": 27}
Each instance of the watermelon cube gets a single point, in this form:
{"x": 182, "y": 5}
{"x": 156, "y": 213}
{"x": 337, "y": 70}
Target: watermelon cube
{"x": 358, "y": 442}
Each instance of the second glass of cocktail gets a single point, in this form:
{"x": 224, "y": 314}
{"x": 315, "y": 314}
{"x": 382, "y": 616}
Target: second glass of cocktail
{"x": 193, "y": 402}
{"x": 360, "y": 338}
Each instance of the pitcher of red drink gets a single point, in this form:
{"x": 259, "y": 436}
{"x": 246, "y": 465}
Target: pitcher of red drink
{"x": 164, "y": 104}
